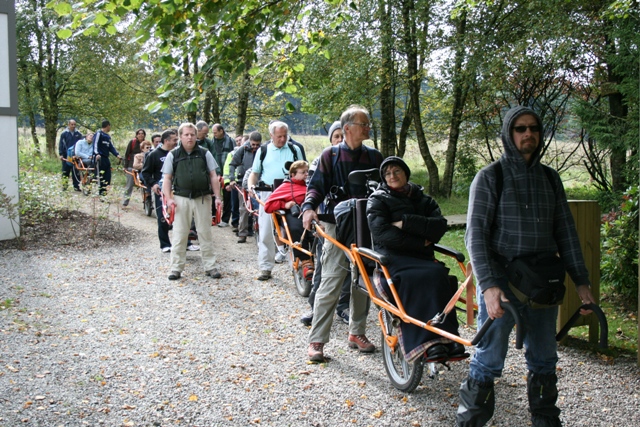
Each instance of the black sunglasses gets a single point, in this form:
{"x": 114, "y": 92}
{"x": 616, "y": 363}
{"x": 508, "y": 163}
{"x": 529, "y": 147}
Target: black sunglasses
{"x": 523, "y": 129}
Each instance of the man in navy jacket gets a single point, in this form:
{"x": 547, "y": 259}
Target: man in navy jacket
{"x": 68, "y": 139}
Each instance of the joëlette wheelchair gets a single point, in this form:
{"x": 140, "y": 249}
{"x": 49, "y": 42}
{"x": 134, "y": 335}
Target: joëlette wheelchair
{"x": 86, "y": 174}
{"x": 147, "y": 200}
{"x": 365, "y": 262}
{"x": 248, "y": 204}
{"x": 285, "y": 244}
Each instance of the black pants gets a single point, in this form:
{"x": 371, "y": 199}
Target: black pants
{"x": 69, "y": 169}
{"x": 163, "y": 227}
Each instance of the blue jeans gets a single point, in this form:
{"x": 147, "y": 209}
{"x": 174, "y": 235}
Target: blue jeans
{"x": 539, "y": 339}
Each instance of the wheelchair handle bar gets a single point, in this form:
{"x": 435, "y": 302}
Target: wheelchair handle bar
{"x": 516, "y": 316}
{"x": 604, "y": 326}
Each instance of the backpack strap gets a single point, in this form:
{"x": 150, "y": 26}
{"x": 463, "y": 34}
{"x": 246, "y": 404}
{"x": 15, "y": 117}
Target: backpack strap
{"x": 263, "y": 153}
{"x": 497, "y": 167}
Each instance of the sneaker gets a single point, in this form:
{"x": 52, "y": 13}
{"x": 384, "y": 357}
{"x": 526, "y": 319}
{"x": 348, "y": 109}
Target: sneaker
{"x": 234, "y": 228}
{"x": 242, "y": 239}
{"x": 362, "y": 343}
{"x": 193, "y": 235}
{"x": 307, "y": 319}
{"x": 315, "y": 352}
{"x": 280, "y": 257}
{"x": 175, "y": 275}
{"x": 214, "y": 273}
{"x": 193, "y": 248}
{"x": 223, "y": 224}
{"x": 76, "y": 189}
{"x": 343, "y": 315}
{"x": 166, "y": 250}
{"x": 264, "y": 275}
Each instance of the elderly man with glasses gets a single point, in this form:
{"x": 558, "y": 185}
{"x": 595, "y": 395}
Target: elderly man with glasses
{"x": 268, "y": 167}
{"x": 332, "y": 173}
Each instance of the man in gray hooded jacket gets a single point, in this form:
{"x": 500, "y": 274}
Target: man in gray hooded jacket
{"x": 530, "y": 216}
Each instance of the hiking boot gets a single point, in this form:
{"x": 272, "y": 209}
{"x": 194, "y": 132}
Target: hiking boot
{"x": 436, "y": 352}
{"x": 264, "y": 275}
{"x": 214, "y": 273}
{"x": 455, "y": 349}
{"x": 315, "y": 352}
{"x": 362, "y": 343}
{"x": 175, "y": 275}
{"x": 307, "y": 319}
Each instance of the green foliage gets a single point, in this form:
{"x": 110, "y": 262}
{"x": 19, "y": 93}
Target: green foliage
{"x": 619, "y": 263}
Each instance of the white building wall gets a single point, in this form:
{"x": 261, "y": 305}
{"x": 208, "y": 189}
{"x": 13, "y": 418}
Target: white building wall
{"x": 8, "y": 113}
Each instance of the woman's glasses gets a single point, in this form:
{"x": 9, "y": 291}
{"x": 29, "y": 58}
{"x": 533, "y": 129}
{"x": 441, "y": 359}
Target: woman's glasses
{"x": 395, "y": 172}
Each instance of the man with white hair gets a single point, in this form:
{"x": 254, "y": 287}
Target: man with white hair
{"x": 336, "y": 163}
{"x": 268, "y": 166}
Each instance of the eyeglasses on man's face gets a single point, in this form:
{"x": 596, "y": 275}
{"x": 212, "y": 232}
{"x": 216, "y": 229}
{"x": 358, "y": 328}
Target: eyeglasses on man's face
{"x": 364, "y": 125}
{"x": 523, "y": 129}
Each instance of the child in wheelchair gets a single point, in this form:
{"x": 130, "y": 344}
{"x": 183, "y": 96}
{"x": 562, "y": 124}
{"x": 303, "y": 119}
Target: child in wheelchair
{"x": 138, "y": 161}
{"x": 288, "y": 197}
{"x": 405, "y": 224}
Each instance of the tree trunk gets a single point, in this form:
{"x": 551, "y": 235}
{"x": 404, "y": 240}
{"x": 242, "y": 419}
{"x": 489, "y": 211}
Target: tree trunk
{"x": 404, "y": 131}
{"x": 215, "y": 106}
{"x": 243, "y": 99}
{"x": 459, "y": 99}
{"x": 415, "y": 80}
{"x": 206, "y": 108}
{"x": 387, "y": 99}
{"x": 617, "y": 110}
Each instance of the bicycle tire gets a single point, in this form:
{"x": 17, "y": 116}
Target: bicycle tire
{"x": 303, "y": 286}
{"x": 403, "y": 375}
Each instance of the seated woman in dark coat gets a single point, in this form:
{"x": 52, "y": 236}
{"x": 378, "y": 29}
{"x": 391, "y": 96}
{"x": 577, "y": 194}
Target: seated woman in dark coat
{"x": 405, "y": 223}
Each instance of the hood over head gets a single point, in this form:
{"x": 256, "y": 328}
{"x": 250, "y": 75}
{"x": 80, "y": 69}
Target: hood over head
{"x": 510, "y": 150}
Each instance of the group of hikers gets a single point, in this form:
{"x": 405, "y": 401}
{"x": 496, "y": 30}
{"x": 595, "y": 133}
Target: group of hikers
{"x": 516, "y": 210}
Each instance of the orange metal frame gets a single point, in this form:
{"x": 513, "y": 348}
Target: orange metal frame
{"x": 136, "y": 178}
{"x": 356, "y": 255}
{"x": 285, "y": 237}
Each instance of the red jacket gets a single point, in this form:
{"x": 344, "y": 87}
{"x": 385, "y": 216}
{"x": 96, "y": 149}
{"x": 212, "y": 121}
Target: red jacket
{"x": 289, "y": 190}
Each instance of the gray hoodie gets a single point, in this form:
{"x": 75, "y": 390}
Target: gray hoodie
{"x": 531, "y": 218}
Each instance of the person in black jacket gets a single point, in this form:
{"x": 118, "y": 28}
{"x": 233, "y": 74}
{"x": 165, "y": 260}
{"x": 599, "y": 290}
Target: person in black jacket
{"x": 152, "y": 175}
{"x": 405, "y": 224}
{"x": 68, "y": 139}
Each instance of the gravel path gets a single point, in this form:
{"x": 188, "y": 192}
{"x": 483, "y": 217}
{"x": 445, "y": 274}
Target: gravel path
{"x": 101, "y": 337}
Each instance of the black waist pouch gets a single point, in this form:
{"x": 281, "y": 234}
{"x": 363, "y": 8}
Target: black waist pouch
{"x": 537, "y": 280}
